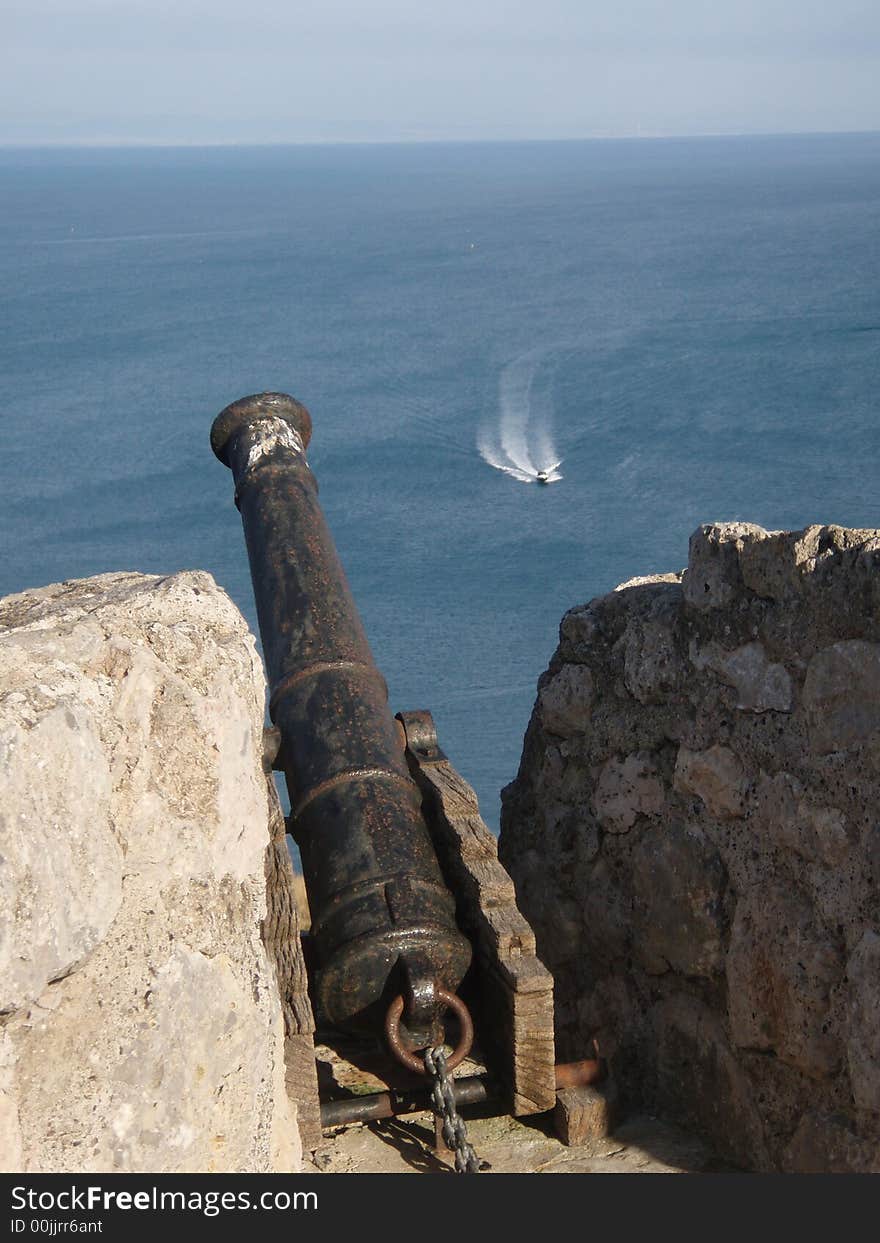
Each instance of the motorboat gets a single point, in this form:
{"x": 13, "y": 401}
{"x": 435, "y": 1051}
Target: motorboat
{"x": 548, "y": 474}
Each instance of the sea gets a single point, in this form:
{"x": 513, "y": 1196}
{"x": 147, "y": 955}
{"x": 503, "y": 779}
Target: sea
{"x": 673, "y": 331}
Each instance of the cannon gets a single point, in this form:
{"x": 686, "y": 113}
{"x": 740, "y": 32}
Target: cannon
{"x": 383, "y": 931}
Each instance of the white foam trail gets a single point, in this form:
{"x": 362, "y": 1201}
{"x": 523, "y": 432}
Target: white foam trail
{"x": 543, "y": 446}
{"x": 520, "y": 441}
{"x": 515, "y": 404}
{"x": 493, "y": 455}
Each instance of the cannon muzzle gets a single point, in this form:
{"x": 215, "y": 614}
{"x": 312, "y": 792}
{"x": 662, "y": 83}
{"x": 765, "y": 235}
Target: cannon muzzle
{"x": 383, "y": 922}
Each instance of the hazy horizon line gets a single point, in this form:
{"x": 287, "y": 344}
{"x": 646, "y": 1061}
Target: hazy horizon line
{"x": 93, "y": 144}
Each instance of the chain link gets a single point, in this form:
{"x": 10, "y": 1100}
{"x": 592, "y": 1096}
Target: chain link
{"x": 454, "y": 1130}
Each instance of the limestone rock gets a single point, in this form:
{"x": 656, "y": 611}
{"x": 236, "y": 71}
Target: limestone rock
{"x": 872, "y": 853}
{"x": 862, "y": 1049}
{"x": 678, "y": 881}
{"x": 627, "y": 788}
{"x": 61, "y": 873}
{"x": 761, "y": 685}
{"x": 827, "y": 1144}
{"x": 782, "y": 564}
{"x": 715, "y": 826}
{"x": 781, "y": 968}
{"x": 701, "y": 1082}
{"x": 664, "y": 581}
{"x": 566, "y": 700}
{"x": 652, "y": 663}
{"x": 826, "y": 831}
{"x": 577, "y": 631}
{"x": 815, "y": 833}
{"x": 713, "y": 578}
{"x": 715, "y": 776}
{"x": 842, "y": 695}
{"x": 608, "y": 915}
{"x": 173, "y": 1080}
{"x": 10, "y": 1126}
{"x": 144, "y": 1028}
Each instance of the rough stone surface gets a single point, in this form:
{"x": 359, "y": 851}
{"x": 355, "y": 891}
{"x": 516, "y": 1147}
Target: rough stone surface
{"x": 716, "y": 777}
{"x": 505, "y": 1145}
{"x": 863, "y": 1047}
{"x": 699, "y": 1078}
{"x": 842, "y": 696}
{"x": 627, "y": 788}
{"x": 701, "y": 860}
{"x": 143, "y": 1026}
{"x": 826, "y": 1144}
{"x": 714, "y": 576}
{"x": 565, "y": 701}
{"x": 678, "y": 883}
{"x": 781, "y": 969}
{"x": 60, "y": 889}
{"x": 761, "y": 685}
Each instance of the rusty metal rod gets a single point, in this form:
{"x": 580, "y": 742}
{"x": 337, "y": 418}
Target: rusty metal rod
{"x": 473, "y": 1090}
{"x": 470, "y": 1090}
{"x": 578, "y": 1074}
{"x": 383, "y": 922}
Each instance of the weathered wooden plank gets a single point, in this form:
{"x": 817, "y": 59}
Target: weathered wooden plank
{"x": 301, "y": 1078}
{"x": 281, "y": 937}
{"x": 585, "y": 1113}
{"x": 515, "y": 1021}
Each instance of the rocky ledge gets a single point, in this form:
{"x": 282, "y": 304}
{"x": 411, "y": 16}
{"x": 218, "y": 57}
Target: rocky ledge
{"x": 694, "y": 837}
{"x": 141, "y": 1023}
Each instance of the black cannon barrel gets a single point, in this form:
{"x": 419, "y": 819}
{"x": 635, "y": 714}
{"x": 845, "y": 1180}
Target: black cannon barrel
{"x": 383, "y": 922}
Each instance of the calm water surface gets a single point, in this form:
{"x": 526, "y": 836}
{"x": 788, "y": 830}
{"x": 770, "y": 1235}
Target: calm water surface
{"x": 693, "y": 326}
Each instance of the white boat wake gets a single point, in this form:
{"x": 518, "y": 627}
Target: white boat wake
{"x": 519, "y": 441}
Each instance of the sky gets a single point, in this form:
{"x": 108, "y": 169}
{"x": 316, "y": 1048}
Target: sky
{"x": 268, "y": 71}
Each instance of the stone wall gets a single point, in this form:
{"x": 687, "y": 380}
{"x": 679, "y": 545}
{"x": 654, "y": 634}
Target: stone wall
{"x": 140, "y": 1022}
{"x": 694, "y": 834}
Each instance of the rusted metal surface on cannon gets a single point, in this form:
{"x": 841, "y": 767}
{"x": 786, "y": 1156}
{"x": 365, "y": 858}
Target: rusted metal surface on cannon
{"x": 383, "y": 922}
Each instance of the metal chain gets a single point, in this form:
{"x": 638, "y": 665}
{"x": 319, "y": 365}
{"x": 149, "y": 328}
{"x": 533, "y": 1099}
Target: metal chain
{"x": 454, "y": 1130}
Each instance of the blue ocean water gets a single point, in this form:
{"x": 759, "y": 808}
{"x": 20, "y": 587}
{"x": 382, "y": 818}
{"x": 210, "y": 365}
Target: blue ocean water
{"x": 693, "y": 326}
